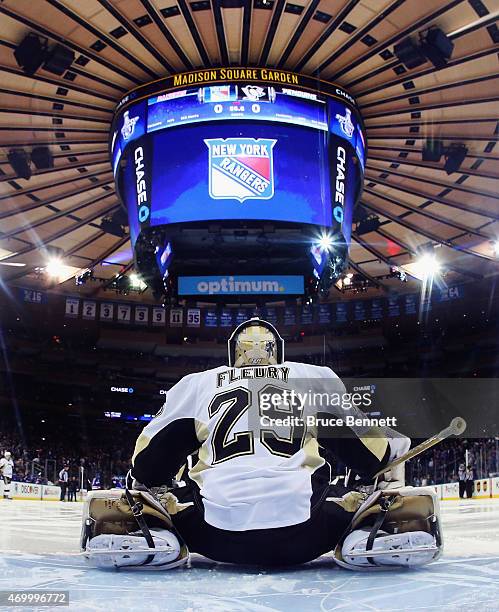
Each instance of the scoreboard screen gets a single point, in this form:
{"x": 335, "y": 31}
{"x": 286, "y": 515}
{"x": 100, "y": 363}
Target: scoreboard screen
{"x": 283, "y": 149}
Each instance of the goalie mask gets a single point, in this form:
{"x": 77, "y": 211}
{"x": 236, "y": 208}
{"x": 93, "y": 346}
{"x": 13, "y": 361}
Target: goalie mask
{"x": 255, "y": 342}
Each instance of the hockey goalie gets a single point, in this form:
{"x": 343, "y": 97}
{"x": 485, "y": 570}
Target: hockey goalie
{"x": 220, "y": 471}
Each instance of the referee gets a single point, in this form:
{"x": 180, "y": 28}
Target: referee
{"x": 63, "y": 482}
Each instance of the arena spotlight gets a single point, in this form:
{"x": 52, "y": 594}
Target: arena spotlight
{"x": 83, "y": 277}
{"x": 428, "y": 265}
{"x": 136, "y": 282}
{"x": 348, "y": 279}
{"x": 495, "y": 246}
{"x": 112, "y": 225}
{"x": 54, "y": 267}
{"x": 325, "y": 242}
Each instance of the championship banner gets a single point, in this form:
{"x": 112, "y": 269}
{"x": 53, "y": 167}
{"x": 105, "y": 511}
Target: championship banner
{"x": 307, "y": 315}
{"x": 449, "y": 293}
{"x": 106, "y": 311}
{"x": 410, "y": 304}
{"x": 324, "y": 314}
{"x": 193, "y": 317}
{"x": 425, "y": 304}
{"x": 141, "y": 315}
{"x": 124, "y": 314}
{"x": 210, "y": 318}
{"x": 393, "y": 307}
{"x": 89, "y": 310}
{"x": 270, "y": 315}
{"x": 359, "y": 311}
{"x": 341, "y": 312}
{"x": 377, "y": 309}
{"x": 226, "y": 317}
{"x": 158, "y": 316}
{"x": 289, "y": 315}
{"x": 72, "y": 307}
{"x": 31, "y": 296}
{"x": 241, "y": 315}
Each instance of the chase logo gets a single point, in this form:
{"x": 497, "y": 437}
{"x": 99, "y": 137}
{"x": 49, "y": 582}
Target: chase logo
{"x": 241, "y": 168}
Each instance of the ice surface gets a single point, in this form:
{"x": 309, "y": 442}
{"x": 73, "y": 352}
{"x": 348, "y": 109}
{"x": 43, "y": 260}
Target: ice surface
{"x": 38, "y": 542}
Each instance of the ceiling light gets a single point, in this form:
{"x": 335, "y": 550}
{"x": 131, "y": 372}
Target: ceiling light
{"x": 11, "y": 263}
{"x": 496, "y": 247}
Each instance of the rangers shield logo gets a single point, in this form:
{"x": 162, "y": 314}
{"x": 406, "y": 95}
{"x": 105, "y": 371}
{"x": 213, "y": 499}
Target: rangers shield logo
{"x": 241, "y": 168}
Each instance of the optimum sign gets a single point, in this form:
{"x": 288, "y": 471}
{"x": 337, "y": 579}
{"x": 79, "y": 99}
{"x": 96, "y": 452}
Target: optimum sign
{"x": 240, "y": 285}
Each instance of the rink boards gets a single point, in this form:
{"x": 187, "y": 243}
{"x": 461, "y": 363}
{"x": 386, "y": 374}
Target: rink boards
{"x": 28, "y": 490}
{"x": 484, "y": 488}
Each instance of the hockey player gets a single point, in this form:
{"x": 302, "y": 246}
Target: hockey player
{"x": 6, "y": 471}
{"x": 258, "y": 489}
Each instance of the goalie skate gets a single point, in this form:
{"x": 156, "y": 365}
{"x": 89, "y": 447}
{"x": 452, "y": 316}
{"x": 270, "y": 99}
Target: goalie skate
{"x": 108, "y": 550}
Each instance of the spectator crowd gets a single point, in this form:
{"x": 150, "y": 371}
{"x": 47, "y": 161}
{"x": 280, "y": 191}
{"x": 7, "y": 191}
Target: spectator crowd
{"x": 104, "y": 462}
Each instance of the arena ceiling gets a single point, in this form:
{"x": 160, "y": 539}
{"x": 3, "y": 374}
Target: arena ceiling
{"x": 122, "y": 43}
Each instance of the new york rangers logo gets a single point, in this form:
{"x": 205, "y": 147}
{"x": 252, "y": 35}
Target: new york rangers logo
{"x": 346, "y": 124}
{"x": 128, "y": 125}
{"x": 241, "y": 168}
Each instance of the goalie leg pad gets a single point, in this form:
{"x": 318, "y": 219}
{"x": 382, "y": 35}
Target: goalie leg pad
{"x": 113, "y": 550}
{"x": 408, "y": 513}
{"x": 409, "y": 549}
{"x": 140, "y": 534}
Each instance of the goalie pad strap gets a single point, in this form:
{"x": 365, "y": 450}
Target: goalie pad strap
{"x": 136, "y": 508}
{"x": 385, "y": 504}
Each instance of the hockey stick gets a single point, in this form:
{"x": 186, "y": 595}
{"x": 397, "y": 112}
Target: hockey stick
{"x": 455, "y": 428}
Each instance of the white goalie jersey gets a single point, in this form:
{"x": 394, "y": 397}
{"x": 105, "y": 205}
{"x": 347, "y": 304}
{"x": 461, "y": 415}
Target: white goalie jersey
{"x": 257, "y": 464}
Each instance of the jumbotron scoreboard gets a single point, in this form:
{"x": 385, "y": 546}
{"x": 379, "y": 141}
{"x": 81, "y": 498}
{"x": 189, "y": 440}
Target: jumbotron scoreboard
{"x": 239, "y": 182}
